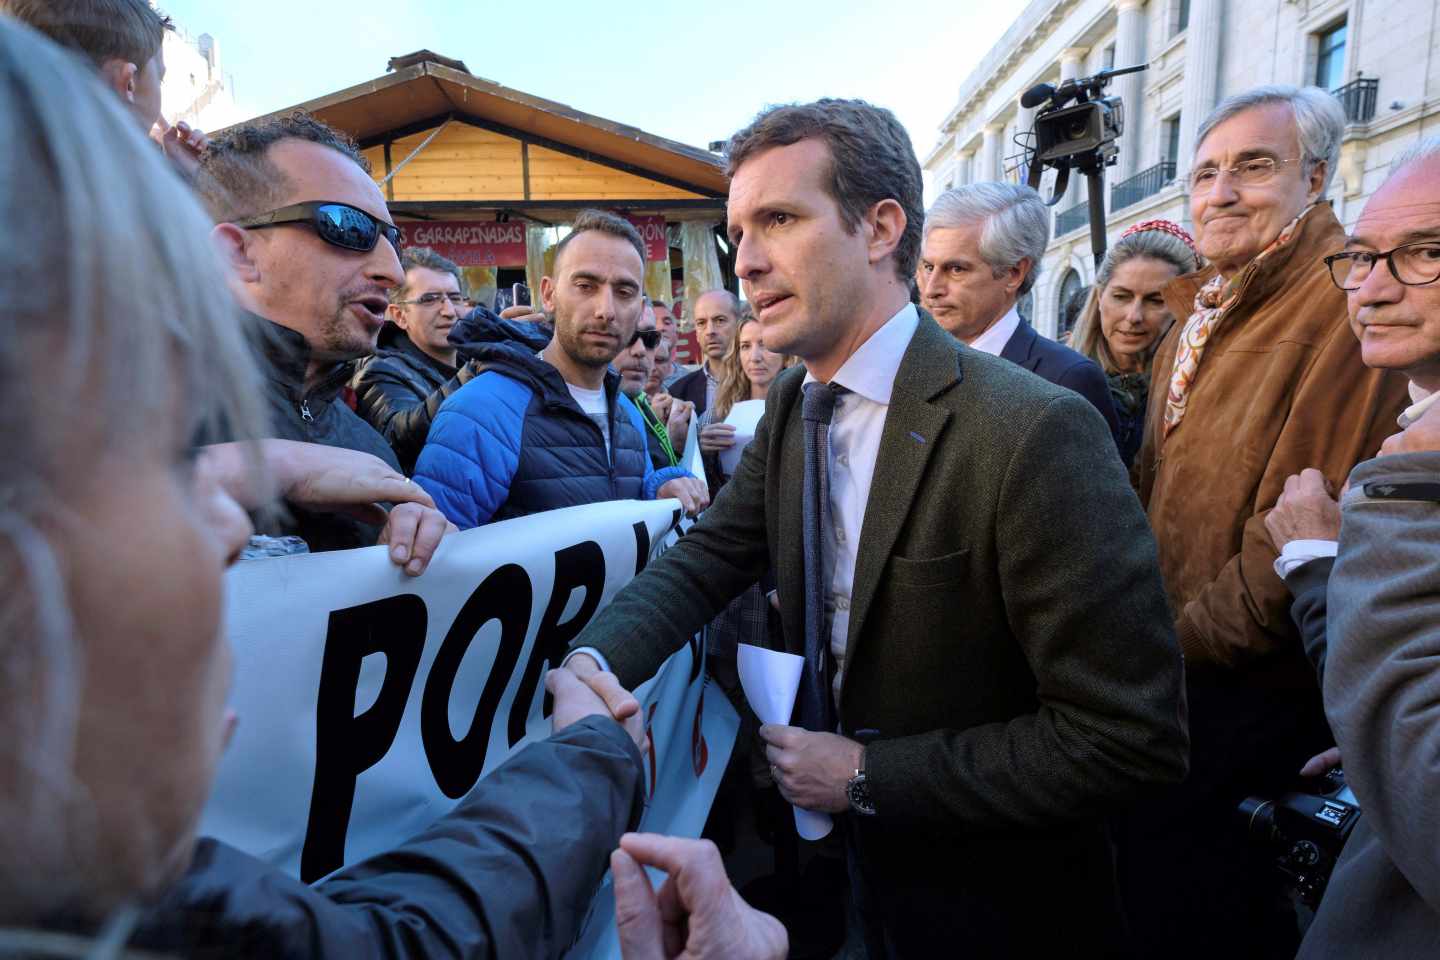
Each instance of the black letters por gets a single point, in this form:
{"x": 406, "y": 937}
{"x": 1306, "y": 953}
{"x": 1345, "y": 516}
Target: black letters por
{"x": 345, "y": 744}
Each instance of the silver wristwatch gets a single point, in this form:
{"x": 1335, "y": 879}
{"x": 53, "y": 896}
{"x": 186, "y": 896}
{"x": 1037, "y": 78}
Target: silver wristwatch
{"x": 857, "y": 790}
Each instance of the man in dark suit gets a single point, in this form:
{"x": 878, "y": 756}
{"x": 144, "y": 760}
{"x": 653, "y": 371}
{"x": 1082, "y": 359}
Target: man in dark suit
{"x": 990, "y": 666}
{"x": 717, "y": 318}
{"x": 981, "y": 253}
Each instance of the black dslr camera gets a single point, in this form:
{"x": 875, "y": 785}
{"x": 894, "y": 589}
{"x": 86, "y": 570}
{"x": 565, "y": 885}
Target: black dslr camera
{"x": 1305, "y": 830}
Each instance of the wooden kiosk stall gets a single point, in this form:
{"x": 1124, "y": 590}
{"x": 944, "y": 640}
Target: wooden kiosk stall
{"x": 489, "y": 177}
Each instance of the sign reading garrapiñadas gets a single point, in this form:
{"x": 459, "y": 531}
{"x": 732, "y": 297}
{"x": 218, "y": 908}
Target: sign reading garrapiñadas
{"x": 470, "y": 243}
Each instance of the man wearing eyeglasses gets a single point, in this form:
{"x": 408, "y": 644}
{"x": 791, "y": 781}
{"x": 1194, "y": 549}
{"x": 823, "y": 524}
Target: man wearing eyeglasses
{"x": 311, "y": 253}
{"x": 415, "y": 368}
{"x": 1366, "y": 605}
{"x": 538, "y": 432}
{"x": 1259, "y": 379}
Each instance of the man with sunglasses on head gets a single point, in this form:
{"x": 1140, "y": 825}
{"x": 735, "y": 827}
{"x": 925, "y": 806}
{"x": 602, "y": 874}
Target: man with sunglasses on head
{"x": 541, "y": 431}
{"x": 415, "y": 368}
{"x": 311, "y": 253}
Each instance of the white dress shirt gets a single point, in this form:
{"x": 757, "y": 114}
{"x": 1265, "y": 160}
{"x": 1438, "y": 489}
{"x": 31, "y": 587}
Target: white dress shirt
{"x": 855, "y": 434}
{"x": 992, "y": 341}
{"x": 1297, "y": 553}
{"x": 1420, "y": 401}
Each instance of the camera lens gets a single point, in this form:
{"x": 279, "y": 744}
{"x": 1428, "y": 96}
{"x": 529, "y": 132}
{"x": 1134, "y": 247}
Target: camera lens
{"x": 1259, "y": 815}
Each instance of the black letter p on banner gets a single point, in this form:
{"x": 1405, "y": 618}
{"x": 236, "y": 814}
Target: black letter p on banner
{"x": 346, "y": 745}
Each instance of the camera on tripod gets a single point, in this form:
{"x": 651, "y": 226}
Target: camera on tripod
{"x": 1080, "y": 131}
{"x": 1304, "y": 831}
{"x": 1076, "y": 129}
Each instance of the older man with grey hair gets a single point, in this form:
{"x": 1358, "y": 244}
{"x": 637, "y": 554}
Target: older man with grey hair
{"x": 981, "y": 253}
{"x": 1258, "y": 379}
{"x": 1365, "y": 599}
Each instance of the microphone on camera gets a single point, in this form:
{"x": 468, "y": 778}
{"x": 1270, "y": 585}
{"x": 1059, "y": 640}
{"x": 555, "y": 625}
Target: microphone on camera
{"x": 1036, "y": 95}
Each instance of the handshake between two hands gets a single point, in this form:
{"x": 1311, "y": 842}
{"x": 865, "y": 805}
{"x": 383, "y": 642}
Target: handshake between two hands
{"x": 696, "y": 913}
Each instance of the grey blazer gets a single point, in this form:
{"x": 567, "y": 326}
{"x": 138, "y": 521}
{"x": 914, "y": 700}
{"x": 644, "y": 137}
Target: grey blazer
{"x": 1381, "y": 689}
{"x": 1011, "y": 656}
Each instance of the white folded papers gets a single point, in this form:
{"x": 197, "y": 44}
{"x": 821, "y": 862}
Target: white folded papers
{"x": 770, "y": 680}
{"x": 744, "y": 417}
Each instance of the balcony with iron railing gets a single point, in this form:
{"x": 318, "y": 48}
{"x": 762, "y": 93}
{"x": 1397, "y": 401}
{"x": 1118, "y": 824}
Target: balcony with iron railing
{"x": 1144, "y": 184}
{"x": 1359, "y": 97}
{"x": 1073, "y": 218}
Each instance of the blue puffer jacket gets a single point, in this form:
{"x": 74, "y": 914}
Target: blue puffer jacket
{"x": 513, "y": 442}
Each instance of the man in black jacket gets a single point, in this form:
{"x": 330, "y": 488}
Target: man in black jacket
{"x": 399, "y": 389}
{"x": 310, "y": 250}
{"x": 509, "y": 873}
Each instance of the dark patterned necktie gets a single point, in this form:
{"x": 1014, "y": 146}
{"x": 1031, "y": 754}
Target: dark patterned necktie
{"x": 814, "y": 707}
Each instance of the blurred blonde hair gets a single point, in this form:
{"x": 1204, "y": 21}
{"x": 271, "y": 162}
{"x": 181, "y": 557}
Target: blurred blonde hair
{"x": 734, "y": 381}
{"x": 113, "y": 296}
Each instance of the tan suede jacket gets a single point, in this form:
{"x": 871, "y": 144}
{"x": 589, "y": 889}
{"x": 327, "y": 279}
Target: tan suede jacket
{"x": 1281, "y": 387}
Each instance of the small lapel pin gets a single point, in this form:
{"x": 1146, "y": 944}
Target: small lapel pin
{"x": 916, "y": 437}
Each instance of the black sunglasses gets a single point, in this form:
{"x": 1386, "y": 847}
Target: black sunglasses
{"x": 338, "y": 224}
{"x": 651, "y": 339}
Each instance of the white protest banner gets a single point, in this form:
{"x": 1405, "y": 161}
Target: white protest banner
{"x": 341, "y": 753}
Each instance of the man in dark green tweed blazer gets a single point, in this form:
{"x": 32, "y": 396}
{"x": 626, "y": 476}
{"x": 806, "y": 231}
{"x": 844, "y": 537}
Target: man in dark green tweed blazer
{"x": 1006, "y": 673}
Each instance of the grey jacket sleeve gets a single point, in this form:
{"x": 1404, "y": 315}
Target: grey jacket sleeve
{"x": 1308, "y": 585}
{"x": 509, "y": 873}
{"x": 1382, "y": 688}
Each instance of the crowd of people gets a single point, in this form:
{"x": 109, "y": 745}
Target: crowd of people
{"x": 1056, "y": 624}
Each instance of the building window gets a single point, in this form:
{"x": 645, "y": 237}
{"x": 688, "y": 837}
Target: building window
{"x": 1182, "y": 16}
{"x": 1072, "y": 298}
{"x": 1171, "y": 132}
{"x": 1330, "y": 58}
{"x": 1109, "y": 60}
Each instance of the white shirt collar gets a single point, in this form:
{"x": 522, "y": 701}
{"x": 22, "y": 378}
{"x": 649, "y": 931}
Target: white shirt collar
{"x": 871, "y": 369}
{"x": 992, "y": 341}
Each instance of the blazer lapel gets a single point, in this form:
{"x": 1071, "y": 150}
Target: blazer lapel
{"x": 786, "y": 491}
{"x": 913, "y": 427}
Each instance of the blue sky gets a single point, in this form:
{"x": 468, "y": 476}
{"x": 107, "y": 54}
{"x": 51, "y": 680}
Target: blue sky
{"x": 692, "y": 71}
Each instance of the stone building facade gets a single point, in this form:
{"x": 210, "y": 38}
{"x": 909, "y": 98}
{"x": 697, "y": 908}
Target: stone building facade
{"x": 196, "y": 89}
{"x": 1380, "y": 57}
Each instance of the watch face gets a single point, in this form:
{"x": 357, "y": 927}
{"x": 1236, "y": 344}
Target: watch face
{"x": 858, "y": 792}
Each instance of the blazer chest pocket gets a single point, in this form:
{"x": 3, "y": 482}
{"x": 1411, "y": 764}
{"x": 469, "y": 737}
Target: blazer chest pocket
{"x": 929, "y": 571}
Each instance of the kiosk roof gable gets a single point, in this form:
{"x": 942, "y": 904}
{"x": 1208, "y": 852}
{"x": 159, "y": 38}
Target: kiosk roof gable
{"x": 424, "y": 94}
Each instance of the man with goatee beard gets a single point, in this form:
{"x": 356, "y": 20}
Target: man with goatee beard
{"x": 542, "y": 431}
{"x": 310, "y": 252}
